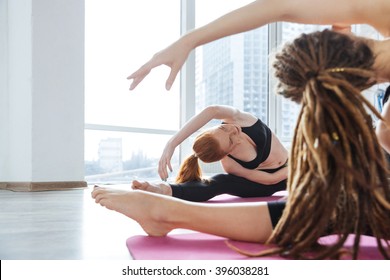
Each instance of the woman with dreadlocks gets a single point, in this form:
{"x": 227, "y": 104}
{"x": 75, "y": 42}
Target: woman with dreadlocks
{"x": 337, "y": 183}
{"x": 340, "y": 176}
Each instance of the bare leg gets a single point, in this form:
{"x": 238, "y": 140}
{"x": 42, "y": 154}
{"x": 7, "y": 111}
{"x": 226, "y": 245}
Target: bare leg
{"x": 159, "y": 214}
{"x": 160, "y": 188}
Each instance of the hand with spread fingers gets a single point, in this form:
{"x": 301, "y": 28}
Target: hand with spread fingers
{"x": 173, "y": 56}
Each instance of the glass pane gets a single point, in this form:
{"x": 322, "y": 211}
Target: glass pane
{"x": 289, "y": 110}
{"x": 233, "y": 70}
{"x": 120, "y": 157}
{"x": 120, "y": 36}
{"x": 376, "y": 93}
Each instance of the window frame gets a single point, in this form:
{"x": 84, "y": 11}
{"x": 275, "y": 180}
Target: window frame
{"x": 187, "y": 86}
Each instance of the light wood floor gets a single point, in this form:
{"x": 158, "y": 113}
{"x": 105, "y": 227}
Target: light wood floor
{"x": 61, "y": 225}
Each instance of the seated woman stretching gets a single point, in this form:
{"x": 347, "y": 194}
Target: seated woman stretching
{"x": 337, "y": 178}
{"x": 253, "y": 157}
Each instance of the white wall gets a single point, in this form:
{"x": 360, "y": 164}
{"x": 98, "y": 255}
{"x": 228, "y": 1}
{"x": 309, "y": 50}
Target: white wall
{"x": 3, "y": 87}
{"x": 19, "y": 97}
{"x": 58, "y": 90}
{"x": 44, "y": 91}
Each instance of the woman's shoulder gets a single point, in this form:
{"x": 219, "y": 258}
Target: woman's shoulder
{"x": 246, "y": 119}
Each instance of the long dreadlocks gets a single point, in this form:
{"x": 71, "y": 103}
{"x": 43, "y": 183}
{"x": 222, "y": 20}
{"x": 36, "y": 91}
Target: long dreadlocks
{"x": 337, "y": 181}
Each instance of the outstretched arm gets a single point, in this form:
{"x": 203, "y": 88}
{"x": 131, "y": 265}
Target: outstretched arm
{"x": 225, "y": 113}
{"x": 253, "y": 15}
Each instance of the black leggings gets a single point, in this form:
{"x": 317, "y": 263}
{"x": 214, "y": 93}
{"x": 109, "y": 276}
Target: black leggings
{"x": 224, "y": 184}
{"x": 276, "y": 209}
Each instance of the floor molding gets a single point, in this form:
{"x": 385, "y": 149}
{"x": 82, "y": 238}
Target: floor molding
{"x": 42, "y": 186}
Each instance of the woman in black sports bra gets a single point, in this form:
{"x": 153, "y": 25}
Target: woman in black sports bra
{"x": 253, "y": 158}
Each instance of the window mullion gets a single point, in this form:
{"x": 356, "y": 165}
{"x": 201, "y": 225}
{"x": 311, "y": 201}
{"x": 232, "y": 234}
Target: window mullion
{"x": 187, "y": 74}
{"x": 274, "y": 103}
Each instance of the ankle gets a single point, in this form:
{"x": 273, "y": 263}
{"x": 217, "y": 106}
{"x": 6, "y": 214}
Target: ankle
{"x": 159, "y": 206}
{"x": 166, "y": 189}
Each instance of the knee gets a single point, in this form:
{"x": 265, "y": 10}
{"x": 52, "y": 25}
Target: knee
{"x": 220, "y": 179}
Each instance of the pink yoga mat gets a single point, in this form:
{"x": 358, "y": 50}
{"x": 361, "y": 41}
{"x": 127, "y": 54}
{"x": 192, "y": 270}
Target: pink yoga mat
{"x": 200, "y": 246}
{"x": 225, "y": 198}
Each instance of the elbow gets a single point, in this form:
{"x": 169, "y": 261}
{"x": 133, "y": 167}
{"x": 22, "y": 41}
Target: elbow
{"x": 269, "y": 181}
{"x": 273, "y": 181}
{"x": 383, "y": 135}
{"x": 212, "y": 110}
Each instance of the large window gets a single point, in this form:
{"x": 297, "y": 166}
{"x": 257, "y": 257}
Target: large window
{"x": 233, "y": 70}
{"x": 126, "y": 131}
{"x": 287, "y": 111}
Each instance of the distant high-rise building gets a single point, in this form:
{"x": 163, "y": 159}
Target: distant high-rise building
{"x": 289, "y": 109}
{"x": 110, "y": 154}
{"x": 234, "y": 71}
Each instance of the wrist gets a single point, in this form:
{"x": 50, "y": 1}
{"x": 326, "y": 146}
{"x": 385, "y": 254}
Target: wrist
{"x": 170, "y": 144}
{"x": 188, "y": 42}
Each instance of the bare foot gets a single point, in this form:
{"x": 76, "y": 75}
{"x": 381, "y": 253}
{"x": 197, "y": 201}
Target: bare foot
{"x": 161, "y": 188}
{"x": 149, "y": 210}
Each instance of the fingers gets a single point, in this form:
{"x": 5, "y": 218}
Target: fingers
{"x": 171, "y": 78}
{"x": 141, "y": 73}
{"x": 135, "y": 83}
{"x": 342, "y": 28}
{"x": 163, "y": 173}
{"x": 135, "y": 185}
{"x": 162, "y": 169}
{"x": 138, "y": 76}
{"x": 170, "y": 166}
{"x": 157, "y": 60}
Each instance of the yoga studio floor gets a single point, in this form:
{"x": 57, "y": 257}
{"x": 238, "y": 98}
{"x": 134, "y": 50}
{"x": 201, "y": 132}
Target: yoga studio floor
{"x": 61, "y": 225}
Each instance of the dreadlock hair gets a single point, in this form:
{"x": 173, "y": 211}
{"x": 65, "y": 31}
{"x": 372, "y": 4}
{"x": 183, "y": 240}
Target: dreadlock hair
{"x": 337, "y": 181}
{"x": 207, "y": 149}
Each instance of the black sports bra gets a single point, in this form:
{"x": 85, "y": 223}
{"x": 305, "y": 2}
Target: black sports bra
{"x": 262, "y": 136}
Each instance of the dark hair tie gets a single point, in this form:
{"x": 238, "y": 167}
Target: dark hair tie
{"x": 311, "y": 74}
{"x": 386, "y": 96}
